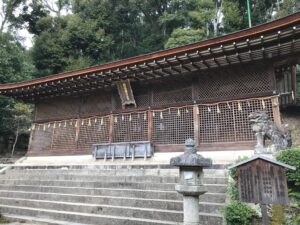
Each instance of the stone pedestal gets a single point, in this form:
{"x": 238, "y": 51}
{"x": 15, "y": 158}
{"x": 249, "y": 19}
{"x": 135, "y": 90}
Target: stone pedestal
{"x": 191, "y": 210}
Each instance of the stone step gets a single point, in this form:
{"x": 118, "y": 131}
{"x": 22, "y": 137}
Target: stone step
{"x": 89, "y": 218}
{"x": 150, "y": 194}
{"x": 36, "y": 220}
{"x": 115, "y": 178}
{"x": 215, "y": 188}
{"x": 82, "y": 194}
{"x": 142, "y": 213}
{"x": 121, "y": 172}
{"x": 207, "y": 207}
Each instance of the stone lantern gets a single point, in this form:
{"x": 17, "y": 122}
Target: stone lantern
{"x": 190, "y": 180}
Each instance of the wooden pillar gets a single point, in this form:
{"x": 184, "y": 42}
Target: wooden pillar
{"x": 264, "y": 213}
{"x": 78, "y": 121}
{"x": 53, "y": 129}
{"x": 150, "y": 125}
{"x": 196, "y": 119}
{"x": 294, "y": 83}
{"x": 111, "y": 128}
{"x": 276, "y": 111}
{"x": 234, "y": 122}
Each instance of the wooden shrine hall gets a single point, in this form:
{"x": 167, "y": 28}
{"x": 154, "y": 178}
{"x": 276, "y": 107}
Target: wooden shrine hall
{"x": 204, "y": 91}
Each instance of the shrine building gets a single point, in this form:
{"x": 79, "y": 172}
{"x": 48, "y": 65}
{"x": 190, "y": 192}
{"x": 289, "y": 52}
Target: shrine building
{"x": 204, "y": 90}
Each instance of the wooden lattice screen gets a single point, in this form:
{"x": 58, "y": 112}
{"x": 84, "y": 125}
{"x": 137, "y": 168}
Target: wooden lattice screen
{"x": 228, "y": 122}
{"x": 91, "y": 131}
{"x": 214, "y": 123}
{"x": 63, "y": 138}
{"x": 164, "y": 93}
{"x": 241, "y": 81}
{"x": 173, "y": 126}
{"x": 130, "y": 127}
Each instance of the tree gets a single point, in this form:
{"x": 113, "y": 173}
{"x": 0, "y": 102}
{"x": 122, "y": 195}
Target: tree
{"x": 49, "y": 52}
{"x": 22, "y": 114}
{"x": 191, "y": 21}
{"x": 184, "y": 36}
{"x": 57, "y": 6}
{"x": 7, "y": 10}
{"x": 233, "y": 19}
{"x": 286, "y": 7}
{"x": 14, "y": 66}
{"x": 30, "y": 16}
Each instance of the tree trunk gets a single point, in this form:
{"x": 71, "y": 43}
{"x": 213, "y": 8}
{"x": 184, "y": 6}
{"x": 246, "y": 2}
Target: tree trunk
{"x": 15, "y": 143}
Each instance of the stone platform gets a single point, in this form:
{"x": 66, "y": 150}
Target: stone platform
{"x": 218, "y": 157}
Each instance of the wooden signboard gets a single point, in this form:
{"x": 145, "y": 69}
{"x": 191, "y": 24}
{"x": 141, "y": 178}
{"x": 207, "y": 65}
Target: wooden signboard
{"x": 262, "y": 180}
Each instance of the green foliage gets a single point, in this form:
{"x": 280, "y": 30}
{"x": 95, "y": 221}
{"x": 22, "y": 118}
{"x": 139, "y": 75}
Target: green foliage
{"x": 238, "y": 213}
{"x": 184, "y": 36}
{"x": 99, "y": 31}
{"x": 232, "y": 172}
{"x": 232, "y": 16}
{"x": 292, "y": 157}
{"x": 14, "y": 66}
{"x": 233, "y": 191}
{"x": 287, "y": 7}
{"x": 14, "y": 63}
{"x": 278, "y": 216}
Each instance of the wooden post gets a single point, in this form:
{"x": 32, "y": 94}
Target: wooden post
{"x": 78, "y": 121}
{"x": 234, "y": 123}
{"x": 111, "y": 128}
{"x": 264, "y": 213}
{"x": 294, "y": 83}
{"x": 196, "y": 124}
{"x": 276, "y": 112}
{"x": 150, "y": 125}
{"x": 53, "y": 129}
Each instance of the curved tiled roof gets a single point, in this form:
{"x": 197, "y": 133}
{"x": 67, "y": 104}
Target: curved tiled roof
{"x": 247, "y": 45}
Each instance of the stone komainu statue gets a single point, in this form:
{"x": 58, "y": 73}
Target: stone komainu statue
{"x": 265, "y": 128}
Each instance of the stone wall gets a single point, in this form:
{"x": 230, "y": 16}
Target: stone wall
{"x": 291, "y": 116}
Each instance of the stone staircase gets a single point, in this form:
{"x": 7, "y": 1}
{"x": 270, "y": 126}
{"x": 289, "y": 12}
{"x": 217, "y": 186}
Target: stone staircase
{"x": 105, "y": 195}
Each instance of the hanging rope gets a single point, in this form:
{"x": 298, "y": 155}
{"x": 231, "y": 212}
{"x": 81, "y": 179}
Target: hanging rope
{"x": 180, "y": 109}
